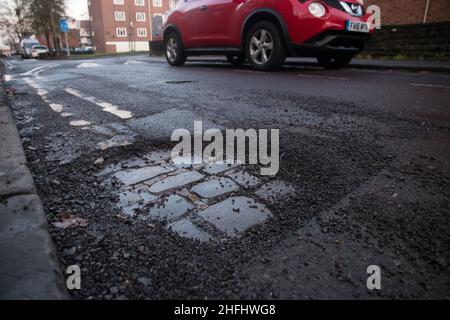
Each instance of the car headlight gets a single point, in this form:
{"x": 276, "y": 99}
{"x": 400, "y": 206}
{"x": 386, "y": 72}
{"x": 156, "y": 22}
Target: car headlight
{"x": 317, "y": 9}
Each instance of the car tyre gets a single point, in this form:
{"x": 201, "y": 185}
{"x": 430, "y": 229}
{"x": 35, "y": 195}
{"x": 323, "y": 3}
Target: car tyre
{"x": 334, "y": 62}
{"x": 236, "y": 60}
{"x": 265, "y": 47}
{"x": 174, "y": 50}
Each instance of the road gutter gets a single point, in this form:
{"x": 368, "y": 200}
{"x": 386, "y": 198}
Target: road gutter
{"x": 29, "y": 268}
{"x": 364, "y": 64}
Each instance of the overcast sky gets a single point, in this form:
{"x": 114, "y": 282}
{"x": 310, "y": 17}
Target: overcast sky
{"x": 77, "y": 9}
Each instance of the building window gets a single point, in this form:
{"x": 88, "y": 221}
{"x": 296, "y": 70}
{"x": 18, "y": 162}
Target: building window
{"x": 121, "y": 32}
{"x": 157, "y": 3}
{"x": 119, "y": 15}
{"x": 140, "y": 16}
{"x": 139, "y": 3}
{"x": 141, "y": 32}
{"x": 173, "y": 4}
{"x": 118, "y": 2}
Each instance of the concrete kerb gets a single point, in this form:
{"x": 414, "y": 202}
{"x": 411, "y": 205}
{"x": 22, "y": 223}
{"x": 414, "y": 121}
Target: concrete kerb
{"x": 29, "y": 269}
{"x": 386, "y": 65}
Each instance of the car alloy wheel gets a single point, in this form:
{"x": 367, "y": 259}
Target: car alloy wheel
{"x": 261, "y": 46}
{"x": 174, "y": 50}
{"x": 265, "y": 47}
{"x": 171, "y": 50}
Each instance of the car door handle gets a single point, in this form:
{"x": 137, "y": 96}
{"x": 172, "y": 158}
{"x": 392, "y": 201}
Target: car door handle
{"x": 204, "y": 7}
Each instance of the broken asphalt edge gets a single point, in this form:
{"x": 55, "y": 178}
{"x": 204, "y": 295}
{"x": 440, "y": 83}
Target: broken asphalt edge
{"x": 29, "y": 268}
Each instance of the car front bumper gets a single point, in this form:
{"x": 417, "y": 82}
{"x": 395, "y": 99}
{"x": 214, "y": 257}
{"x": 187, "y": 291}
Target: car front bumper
{"x": 331, "y": 43}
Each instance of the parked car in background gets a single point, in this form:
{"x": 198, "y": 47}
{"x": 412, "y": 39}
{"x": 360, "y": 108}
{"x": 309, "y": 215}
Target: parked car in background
{"x": 37, "y": 50}
{"x": 265, "y": 32}
{"x": 88, "y": 49}
{"x": 84, "y": 50}
{"x": 26, "y": 46}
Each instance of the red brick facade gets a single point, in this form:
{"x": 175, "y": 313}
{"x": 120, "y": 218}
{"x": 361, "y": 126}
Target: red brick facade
{"x": 73, "y": 36}
{"x": 77, "y": 37}
{"x": 124, "y": 25}
{"x": 395, "y": 12}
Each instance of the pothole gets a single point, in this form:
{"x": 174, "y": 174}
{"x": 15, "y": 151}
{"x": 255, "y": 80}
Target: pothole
{"x": 202, "y": 202}
{"x": 179, "y": 81}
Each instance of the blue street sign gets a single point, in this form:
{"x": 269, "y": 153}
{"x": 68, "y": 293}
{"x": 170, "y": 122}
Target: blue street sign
{"x": 63, "y": 26}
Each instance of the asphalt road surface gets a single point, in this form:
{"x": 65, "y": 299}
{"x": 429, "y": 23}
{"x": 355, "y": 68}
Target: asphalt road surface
{"x": 363, "y": 179}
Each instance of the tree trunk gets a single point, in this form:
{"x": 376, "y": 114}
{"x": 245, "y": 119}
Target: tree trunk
{"x": 55, "y": 43}
{"x": 47, "y": 37}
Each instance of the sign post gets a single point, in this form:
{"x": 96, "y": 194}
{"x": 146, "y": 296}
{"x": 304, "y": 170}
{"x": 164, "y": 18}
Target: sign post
{"x": 64, "y": 27}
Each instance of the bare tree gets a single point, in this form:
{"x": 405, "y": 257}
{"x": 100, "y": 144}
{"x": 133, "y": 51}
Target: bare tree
{"x": 15, "y": 22}
{"x": 45, "y": 16}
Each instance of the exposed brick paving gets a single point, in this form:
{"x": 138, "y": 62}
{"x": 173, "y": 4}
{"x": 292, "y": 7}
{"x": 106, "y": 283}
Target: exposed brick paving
{"x": 198, "y": 202}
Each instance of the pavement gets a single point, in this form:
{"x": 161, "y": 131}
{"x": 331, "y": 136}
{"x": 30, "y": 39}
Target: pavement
{"x": 29, "y": 268}
{"x": 363, "y": 179}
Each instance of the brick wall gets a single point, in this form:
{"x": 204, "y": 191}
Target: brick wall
{"x": 73, "y": 37}
{"x": 394, "y": 12}
{"x": 430, "y": 41}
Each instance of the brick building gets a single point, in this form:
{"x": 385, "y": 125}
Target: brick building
{"x": 399, "y": 12}
{"x": 85, "y": 33}
{"x": 79, "y": 37}
{"x": 126, "y": 25}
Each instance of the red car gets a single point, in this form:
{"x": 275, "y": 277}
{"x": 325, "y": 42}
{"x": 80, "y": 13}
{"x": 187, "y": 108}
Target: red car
{"x": 265, "y": 32}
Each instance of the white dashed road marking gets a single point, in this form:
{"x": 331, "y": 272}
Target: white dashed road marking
{"x": 79, "y": 123}
{"x": 37, "y": 74}
{"x": 250, "y": 71}
{"x": 32, "y": 71}
{"x": 32, "y": 79}
{"x": 429, "y": 85}
{"x": 106, "y": 106}
{"x": 9, "y": 65}
{"x": 322, "y": 77}
{"x": 89, "y": 65}
{"x": 133, "y": 62}
{"x": 54, "y": 106}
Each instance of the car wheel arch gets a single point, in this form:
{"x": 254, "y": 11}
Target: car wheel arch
{"x": 263, "y": 14}
{"x": 171, "y": 28}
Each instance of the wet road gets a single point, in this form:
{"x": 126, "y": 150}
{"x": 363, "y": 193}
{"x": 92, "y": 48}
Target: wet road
{"x": 363, "y": 179}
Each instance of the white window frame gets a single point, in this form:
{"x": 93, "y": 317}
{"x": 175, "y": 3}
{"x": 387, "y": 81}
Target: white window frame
{"x": 123, "y": 35}
{"x": 142, "y": 15}
{"x": 141, "y": 32}
{"x": 139, "y": 3}
{"x": 173, "y": 4}
{"x": 118, "y": 2}
{"x": 157, "y": 3}
{"x": 119, "y": 14}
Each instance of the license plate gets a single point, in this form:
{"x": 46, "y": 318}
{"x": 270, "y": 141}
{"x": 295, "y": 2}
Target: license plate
{"x": 358, "y": 26}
